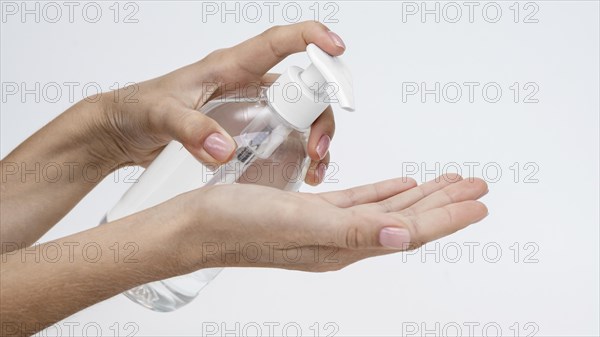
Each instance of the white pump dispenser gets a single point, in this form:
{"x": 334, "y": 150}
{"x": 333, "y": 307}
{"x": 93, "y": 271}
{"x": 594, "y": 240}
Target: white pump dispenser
{"x": 270, "y": 130}
{"x": 326, "y": 76}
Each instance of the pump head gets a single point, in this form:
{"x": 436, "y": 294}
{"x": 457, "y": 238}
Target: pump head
{"x": 300, "y": 96}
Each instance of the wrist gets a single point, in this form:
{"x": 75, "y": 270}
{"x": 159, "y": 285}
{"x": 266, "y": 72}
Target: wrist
{"x": 188, "y": 230}
{"x": 156, "y": 236}
{"x": 98, "y": 134}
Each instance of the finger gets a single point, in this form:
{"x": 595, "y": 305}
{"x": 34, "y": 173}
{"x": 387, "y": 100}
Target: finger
{"x": 404, "y": 200}
{"x": 261, "y": 53}
{"x": 440, "y": 222}
{"x": 269, "y": 78}
{"x": 372, "y": 235}
{"x": 468, "y": 189}
{"x": 199, "y": 134}
{"x": 356, "y": 230}
{"x": 321, "y": 133}
{"x": 412, "y": 232}
{"x": 317, "y": 171}
{"x": 368, "y": 193}
{"x": 251, "y": 90}
{"x": 375, "y": 231}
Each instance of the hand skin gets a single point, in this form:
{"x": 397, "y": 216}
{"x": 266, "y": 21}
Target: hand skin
{"x": 167, "y": 106}
{"x": 180, "y": 236}
{"x": 92, "y": 139}
{"x": 101, "y": 134}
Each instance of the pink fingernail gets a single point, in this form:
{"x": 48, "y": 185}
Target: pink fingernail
{"x": 218, "y": 146}
{"x": 323, "y": 146}
{"x": 337, "y": 40}
{"x": 394, "y": 237}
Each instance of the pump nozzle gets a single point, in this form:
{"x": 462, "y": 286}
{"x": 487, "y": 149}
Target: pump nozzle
{"x": 329, "y": 70}
{"x": 300, "y": 96}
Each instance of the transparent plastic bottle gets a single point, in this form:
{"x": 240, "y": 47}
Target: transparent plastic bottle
{"x": 271, "y": 133}
{"x": 285, "y": 168}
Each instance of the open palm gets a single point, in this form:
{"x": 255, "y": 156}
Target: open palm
{"x": 325, "y": 231}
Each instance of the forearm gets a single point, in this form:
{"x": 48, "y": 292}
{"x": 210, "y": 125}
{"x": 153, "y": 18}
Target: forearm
{"x": 47, "y": 175}
{"x": 40, "y": 287}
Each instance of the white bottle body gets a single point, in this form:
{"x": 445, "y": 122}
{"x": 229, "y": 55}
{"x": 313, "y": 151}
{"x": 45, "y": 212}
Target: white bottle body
{"x": 278, "y": 159}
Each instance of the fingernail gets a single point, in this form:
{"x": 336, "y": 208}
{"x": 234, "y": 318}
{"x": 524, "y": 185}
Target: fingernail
{"x": 323, "y": 146}
{"x": 218, "y": 146}
{"x": 337, "y": 40}
{"x": 394, "y": 237}
{"x": 320, "y": 173}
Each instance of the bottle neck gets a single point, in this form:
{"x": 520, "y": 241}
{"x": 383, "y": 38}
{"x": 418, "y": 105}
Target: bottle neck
{"x": 282, "y": 120}
{"x": 313, "y": 78}
{"x": 294, "y": 101}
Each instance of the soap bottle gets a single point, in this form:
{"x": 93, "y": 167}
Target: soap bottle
{"x": 271, "y": 132}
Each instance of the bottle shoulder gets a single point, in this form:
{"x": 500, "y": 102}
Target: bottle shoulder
{"x": 234, "y": 112}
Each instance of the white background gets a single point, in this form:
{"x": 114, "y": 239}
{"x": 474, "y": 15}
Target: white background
{"x": 551, "y": 215}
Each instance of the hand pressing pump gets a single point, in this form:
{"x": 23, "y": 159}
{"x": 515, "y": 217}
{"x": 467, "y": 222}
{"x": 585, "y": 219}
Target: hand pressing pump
{"x": 271, "y": 133}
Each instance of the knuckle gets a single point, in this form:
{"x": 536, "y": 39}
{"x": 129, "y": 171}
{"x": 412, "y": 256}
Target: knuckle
{"x": 449, "y": 197}
{"x": 353, "y": 238}
{"x": 217, "y": 54}
{"x": 411, "y": 223}
{"x": 269, "y": 36}
{"x": 452, "y": 177}
{"x": 188, "y": 130}
{"x": 272, "y": 30}
{"x": 219, "y": 61}
{"x": 409, "y": 212}
{"x": 217, "y": 64}
{"x": 415, "y": 231}
{"x": 314, "y": 25}
{"x": 196, "y": 127}
{"x": 351, "y": 196}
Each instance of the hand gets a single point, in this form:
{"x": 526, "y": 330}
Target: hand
{"x": 166, "y": 107}
{"x": 344, "y": 226}
{"x": 207, "y": 228}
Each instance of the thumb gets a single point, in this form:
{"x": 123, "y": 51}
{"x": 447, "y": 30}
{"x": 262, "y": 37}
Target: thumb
{"x": 202, "y": 136}
{"x": 371, "y": 231}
